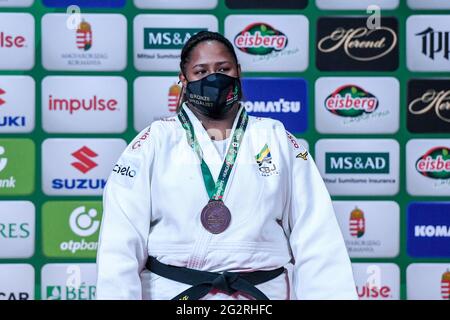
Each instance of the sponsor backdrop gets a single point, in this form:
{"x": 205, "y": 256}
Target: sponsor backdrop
{"x": 367, "y": 92}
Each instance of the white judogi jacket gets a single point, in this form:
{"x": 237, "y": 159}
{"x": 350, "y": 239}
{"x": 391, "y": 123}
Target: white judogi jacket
{"x": 282, "y": 215}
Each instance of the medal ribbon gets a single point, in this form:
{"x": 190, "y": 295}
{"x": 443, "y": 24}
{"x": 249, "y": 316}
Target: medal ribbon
{"x": 216, "y": 189}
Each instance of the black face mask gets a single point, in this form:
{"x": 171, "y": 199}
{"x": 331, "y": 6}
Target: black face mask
{"x": 214, "y": 95}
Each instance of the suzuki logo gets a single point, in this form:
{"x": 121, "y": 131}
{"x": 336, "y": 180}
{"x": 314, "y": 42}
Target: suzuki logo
{"x": 2, "y": 102}
{"x": 85, "y": 164}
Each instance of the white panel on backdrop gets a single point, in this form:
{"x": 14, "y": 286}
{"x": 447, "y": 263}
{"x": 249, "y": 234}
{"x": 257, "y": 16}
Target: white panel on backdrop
{"x": 68, "y": 281}
{"x": 357, "y": 4}
{"x": 154, "y": 98}
{"x": 17, "y": 104}
{"x": 377, "y": 281}
{"x": 357, "y": 105}
{"x": 270, "y": 42}
{"x": 429, "y": 4}
{"x": 428, "y": 281}
{"x": 359, "y": 166}
{"x": 97, "y": 43}
{"x": 84, "y": 104}
{"x": 17, "y": 234}
{"x": 371, "y": 229}
{"x": 78, "y": 166}
{"x": 159, "y": 38}
{"x": 16, "y": 3}
{"x": 16, "y": 281}
{"x": 176, "y": 4}
{"x": 428, "y": 167}
{"x": 16, "y": 41}
{"x": 428, "y": 43}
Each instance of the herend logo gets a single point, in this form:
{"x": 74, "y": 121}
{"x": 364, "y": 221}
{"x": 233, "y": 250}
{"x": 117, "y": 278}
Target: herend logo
{"x": 435, "y": 164}
{"x": 260, "y": 39}
{"x": 351, "y": 101}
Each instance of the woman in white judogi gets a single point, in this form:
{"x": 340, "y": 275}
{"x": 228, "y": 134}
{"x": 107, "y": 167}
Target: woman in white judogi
{"x": 215, "y": 204}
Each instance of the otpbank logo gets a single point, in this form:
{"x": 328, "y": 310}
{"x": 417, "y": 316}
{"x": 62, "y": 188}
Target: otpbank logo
{"x": 284, "y": 99}
{"x": 428, "y": 169}
{"x": 429, "y": 229}
{"x": 66, "y": 281}
{"x": 17, "y": 166}
{"x": 70, "y": 228}
{"x": 84, "y": 3}
{"x": 359, "y": 167}
{"x": 16, "y": 41}
{"x": 78, "y": 166}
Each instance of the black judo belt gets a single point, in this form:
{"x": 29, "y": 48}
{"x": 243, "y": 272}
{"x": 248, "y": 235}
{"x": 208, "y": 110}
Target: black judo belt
{"x": 203, "y": 282}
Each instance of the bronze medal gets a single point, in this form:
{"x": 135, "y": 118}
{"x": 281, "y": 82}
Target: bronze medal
{"x": 216, "y": 217}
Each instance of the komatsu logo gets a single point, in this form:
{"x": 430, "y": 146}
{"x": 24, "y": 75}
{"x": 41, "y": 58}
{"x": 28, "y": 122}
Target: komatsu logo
{"x": 430, "y": 231}
{"x": 277, "y": 106}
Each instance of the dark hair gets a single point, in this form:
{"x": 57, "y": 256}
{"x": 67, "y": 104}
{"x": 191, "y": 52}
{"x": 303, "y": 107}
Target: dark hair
{"x": 193, "y": 41}
{"x": 200, "y": 37}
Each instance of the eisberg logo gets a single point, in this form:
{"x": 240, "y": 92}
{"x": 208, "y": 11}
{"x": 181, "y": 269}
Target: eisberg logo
{"x": 84, "y": 36}
{"x": 260, "y": 39}
{"x": 351, "y": 101}
{"x": 73, "y": 105}
{"x": 435, "y": 42}
{"x": 435, "y": 163}
{"x": 357, "y": 162}
{"x": 85, "y": 164}
{"x": 357, "y": 223}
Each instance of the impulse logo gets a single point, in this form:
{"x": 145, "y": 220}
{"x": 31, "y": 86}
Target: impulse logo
{"x": 85, "y": 164}
{"x": 8, "y": 41}
{"x": 435, "y": 163}
{"x": 357, "y": 223}
{"x": 351, "y": 101}
{"x": 260, "y": 39}
{"x": 174, "y": 96}
{"x": 73, "y": 105}
{"x": 445, "y": 285}
{"x": 84, "y": 36}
